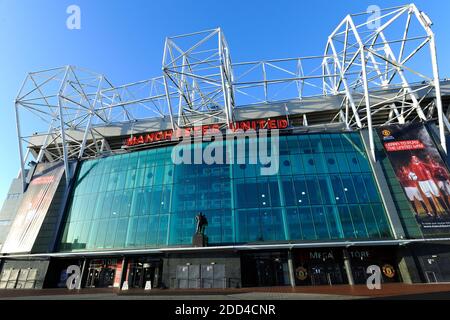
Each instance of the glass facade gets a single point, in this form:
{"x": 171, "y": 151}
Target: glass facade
{"x": 324, "y": 190}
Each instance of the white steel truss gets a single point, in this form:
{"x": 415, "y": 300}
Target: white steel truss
{"x": 379, "y": 51}
{"x": 198, "y": 65}
{"x": 365, "y": 55}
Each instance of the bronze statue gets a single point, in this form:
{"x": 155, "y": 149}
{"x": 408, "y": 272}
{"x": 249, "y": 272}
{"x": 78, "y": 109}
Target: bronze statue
{"x": 202, "y": 222}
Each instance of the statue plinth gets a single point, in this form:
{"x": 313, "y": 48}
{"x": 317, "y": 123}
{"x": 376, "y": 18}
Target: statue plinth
{"x": 199, "y": 240}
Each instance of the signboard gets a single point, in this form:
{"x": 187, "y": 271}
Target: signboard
{"x": 33, "y": 208}
{"x": 423, "y": 175}
{"x": 118, "y": 275}
{"x": 168, "y": 135}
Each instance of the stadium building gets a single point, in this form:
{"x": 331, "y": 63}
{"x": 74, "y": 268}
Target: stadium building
{"x": 325, "y": 165}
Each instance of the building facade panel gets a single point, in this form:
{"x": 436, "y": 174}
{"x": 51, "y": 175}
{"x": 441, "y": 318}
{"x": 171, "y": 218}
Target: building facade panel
{"x": 324, "y": 190}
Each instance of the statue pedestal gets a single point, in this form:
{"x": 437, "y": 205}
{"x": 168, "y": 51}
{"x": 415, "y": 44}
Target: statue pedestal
{"x": 199, "y": 240}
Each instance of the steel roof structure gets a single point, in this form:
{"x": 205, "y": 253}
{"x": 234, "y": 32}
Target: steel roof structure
{"x": 373, "y": 64}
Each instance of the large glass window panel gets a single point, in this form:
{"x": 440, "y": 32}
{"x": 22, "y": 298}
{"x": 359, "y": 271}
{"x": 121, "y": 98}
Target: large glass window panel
{"x": 338, "y": 189}
{"x": 125, "y": 206}
{"x": 358, "y": 222}
{"x": 303, "y": 143}
{"x": 166, "y": 197}
{"x": 316, "y": 143}
{"x": 332, "y": 163}
{"x": 168, "y": 174}
{"x": 121, "y": 233}
{"x": 156, "y": 200}
{"x": 308, "y": 163}
{"x": 111, "y": 233}
{"x": 90, "y": 207}
{"x": 353, "y": 162}
{"x": 274, "y": 187}
{"x": 371, "y": 187}
{"x": 357, "y": 141}
{"x": 294, "y": 225}
{"x": 313, "y": 190}
{"x": 284, "y": 147}
{"x": 101, "y": 234}
{"x": 107, "y": 205}
{"x": 285, "y": 165}
{"x": 249, "y": 226}
{"x": 250, "y": 170}
{"x": 84, "y": 234}
{"x": 263, "y": 192}
{"x": 152, "y": 226}
{"x": 301, "y": 191}
{"x": 296, "y": 164}
{"x": 121, "y": 179}
{"x": 163, "y": 229}
{"x": 272, "y": 224}
{"x": 131, "y": 232}
{"x": 104, "y": 182}
{"x": 131, "y": 179}
{"x": 342, "y": 162}
{"x": 320, "y": 222}
{"x": 371, "y": 223}
{"x": 349, "y": 190}
{"x": 326, "y": 190}
{"x": 292, "y": 144}
{"x": 132, "y": 161}
{"x": 336, "y": 142}
{"x": 175, "y": 228}
{"x": 246, "y": 193}
{"x": 308, "y": 230}
{"x": 93, "y": 234}
{"x": 326, "y": 143}
{"x": 159, "y": 175}
{"x": 359, "y": 184}
{"x": 363, "y": 162}
{"x": 112, "y": 181}
{"x": 320, "y": 163}
{"x": 149, "y": 175}
{"x": 334, "y": 222}
{"x": 289, "y": 192}
{"x": 380, "y": 216}
{"x": 346, "y": 222}
{"x": 347, "y": 143}
{"x": 117, "y": 203}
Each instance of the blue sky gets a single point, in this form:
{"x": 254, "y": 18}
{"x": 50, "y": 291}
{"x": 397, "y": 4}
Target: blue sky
{"x": 124, "y": 39}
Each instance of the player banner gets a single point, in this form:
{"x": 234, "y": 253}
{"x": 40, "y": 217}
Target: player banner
{"x": 421, "y": 172}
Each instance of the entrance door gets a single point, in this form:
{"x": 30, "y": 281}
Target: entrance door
{"x": 326, "y": 274}
{"x": 101, "y": 273}
{"x": 93, "y": 277}
{"x": 359, "y": 274}
{"x": 140, "y": 273}
{"x": 106, "y": 277}
{"x": 271, "y": 272}
{"x": 431, "y": 269}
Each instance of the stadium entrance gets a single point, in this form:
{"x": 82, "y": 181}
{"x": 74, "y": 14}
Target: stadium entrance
{"x": 101, "y": 273}
{"x": 265, "y": 269}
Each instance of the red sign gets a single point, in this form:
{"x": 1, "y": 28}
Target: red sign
{"x": 259, "y": 124}
{"x": 404, "y": 145}
{"x": 167, "y": 135}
